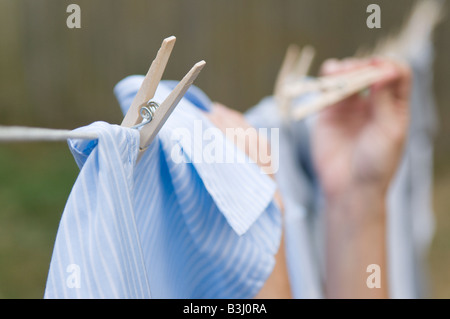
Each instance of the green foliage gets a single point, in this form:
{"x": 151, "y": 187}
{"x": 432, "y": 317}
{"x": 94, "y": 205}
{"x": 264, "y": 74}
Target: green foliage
{"x": 35, "y": 181}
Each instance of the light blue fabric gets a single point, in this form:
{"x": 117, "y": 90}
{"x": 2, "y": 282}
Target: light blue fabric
{"x": 160, "y": 228}
{"x": 301, "y": 198}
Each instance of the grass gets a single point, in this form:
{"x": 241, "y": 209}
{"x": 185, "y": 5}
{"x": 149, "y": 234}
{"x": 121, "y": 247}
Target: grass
{"x": 35, "y": 181}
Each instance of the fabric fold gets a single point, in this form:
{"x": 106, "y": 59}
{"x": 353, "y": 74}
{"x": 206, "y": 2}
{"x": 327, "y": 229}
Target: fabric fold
{"x": 240, "y": 203}
{"x": 97, "y": 251}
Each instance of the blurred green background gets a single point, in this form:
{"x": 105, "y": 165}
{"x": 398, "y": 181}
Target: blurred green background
{"x": 52, "y": 76}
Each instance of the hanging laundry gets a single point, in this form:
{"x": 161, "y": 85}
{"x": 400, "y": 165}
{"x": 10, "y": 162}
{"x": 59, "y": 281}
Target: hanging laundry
{"x": 160, "y": 228}
{"x": 410, "y": 215}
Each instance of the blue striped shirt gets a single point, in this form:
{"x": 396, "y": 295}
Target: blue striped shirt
{"x": 162, "y": 228}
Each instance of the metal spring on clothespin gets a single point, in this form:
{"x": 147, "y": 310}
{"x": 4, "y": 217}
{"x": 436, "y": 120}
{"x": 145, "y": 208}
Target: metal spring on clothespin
{"x": 147, "y": 112}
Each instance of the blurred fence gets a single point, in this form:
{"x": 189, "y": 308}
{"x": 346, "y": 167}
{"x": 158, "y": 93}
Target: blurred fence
{"x": 55, "y": 76}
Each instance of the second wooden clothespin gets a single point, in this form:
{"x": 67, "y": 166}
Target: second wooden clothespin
{"x": 157, "y": 113}
{"x": 296, "y": 65}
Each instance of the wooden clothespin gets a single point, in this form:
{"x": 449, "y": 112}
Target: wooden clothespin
{"x": 422, "y": 20}
{"x": 296, "y": 65}
{"x": 159, "y": 112}
{"x": 337, "y": 89}
{"x": 323, "y": 83}
{"x": 290, "y": 84}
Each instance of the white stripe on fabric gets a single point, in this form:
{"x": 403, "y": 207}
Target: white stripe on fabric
{"x": 185, "y": 230}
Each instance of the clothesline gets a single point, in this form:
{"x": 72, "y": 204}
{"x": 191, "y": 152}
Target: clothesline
{"x": 34, "y": 134}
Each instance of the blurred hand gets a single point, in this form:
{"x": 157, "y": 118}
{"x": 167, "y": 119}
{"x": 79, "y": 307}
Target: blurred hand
{"x": 254, "y": 145}
{"x": 359, "y": 141}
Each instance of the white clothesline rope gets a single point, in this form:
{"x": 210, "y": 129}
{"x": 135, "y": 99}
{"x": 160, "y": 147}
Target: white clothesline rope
{"x": 34, "y": 134}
